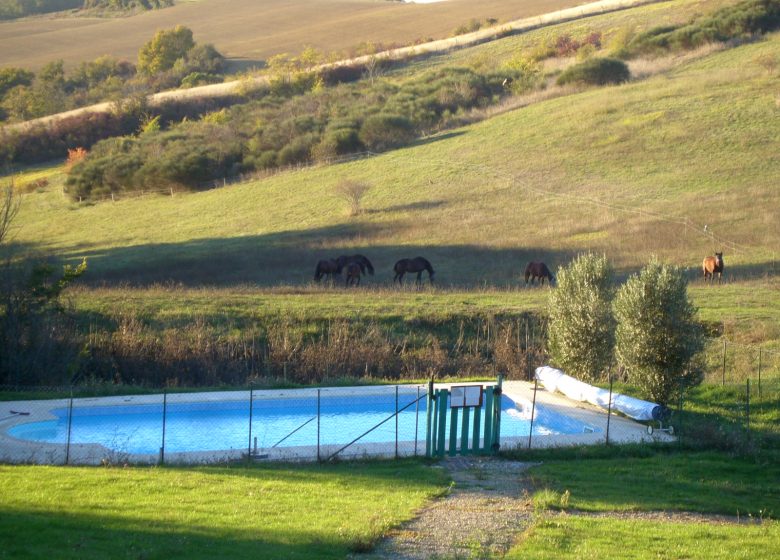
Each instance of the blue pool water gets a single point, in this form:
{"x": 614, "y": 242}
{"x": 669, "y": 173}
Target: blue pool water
{"x": 282, "y": 422}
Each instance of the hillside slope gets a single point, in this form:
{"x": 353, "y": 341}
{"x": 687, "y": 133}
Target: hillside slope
{"x": 616, "y": 170}
{"x": 249, "y": 31}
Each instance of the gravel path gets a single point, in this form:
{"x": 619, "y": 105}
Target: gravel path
{"x": 488, "y": 506}
{"x": 489, "y": 503}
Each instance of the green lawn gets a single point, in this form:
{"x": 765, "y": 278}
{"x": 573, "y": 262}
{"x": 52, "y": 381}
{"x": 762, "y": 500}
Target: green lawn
{"x": 584, "y": 538}
{"x": 279, "y": 511}
{"x": 706, "y": 482}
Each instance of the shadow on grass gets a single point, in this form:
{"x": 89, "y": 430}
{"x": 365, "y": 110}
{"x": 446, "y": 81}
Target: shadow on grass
{"x": 290, "y": 257}
{"x": 31, "y": 534}
{"x": 323, "y": 511}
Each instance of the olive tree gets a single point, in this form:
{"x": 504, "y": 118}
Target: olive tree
{"x": 657, "y": 337}
{"x": 581, "y": 330}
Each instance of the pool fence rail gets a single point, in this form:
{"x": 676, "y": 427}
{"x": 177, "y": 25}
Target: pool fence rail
{"x": 73, "y": 427}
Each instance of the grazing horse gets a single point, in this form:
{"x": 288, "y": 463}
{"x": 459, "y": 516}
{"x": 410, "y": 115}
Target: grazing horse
{"x": 328, "y": 268}
{"x": 353, "y": 272}
{"x": 417, "y": 264}
{"x": 363, "y": 262}
{"x": 538, "y": 270}
{"x": 712, "y": 266}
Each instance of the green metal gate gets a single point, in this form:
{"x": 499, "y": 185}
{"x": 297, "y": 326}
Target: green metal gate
{"x": 475, "y": 430}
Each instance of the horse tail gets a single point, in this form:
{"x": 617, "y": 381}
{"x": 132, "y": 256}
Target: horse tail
{"x": 317, "y": 273}
{"x": 369, "y": 266}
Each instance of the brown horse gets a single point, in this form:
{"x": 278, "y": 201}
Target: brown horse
{"x": 712, "y": 266}
{"x": 417, "y": 264}
{"x": 327, "y": 267}
{"x": 353, "y": 272}
{"x": 538, "y": 270}
{"x": 363, "y": 262}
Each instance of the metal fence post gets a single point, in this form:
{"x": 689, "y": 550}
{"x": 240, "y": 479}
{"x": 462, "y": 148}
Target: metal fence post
{"x": 747, "y": 408}
{"x": 396, "y": 421}
{"x": 165, "y": 413}
{"x": 759, "y": 373}
{"x": 70, "y": 424}
{"x": 680, "y": 412}
{"x": 723, "y": 373}
{"x": 318, "y": 424}
{"x": 533, "y": 408}
{"x": 249, "y": 441}
{"x": 609, "y": 407}
{"x": 416, "y": 420}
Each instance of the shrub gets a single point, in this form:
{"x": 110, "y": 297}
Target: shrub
{"x": 352, "y": 192}
{"x": 383, "y": 132}
{"x": 657, "y": 335}
{"x": 596, "y": 71}
{"x": 582, "y": 328}
{"x": 740, "y": 20}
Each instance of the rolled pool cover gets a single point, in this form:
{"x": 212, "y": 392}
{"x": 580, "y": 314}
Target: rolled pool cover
{"x": 555, "y": 380}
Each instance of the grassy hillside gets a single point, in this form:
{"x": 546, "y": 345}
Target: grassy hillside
{"x": 250, "y": 32}
{"x": 630, "y": 171}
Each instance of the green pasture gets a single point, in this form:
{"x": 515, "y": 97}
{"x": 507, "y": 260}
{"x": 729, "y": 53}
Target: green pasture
{"x": 279, "y": 511}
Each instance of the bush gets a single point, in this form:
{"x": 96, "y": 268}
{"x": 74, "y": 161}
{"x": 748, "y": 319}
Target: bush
{"x": 582, "y": 328}
{"x": 596, "y": 71}
{"x": 383, "y": 132}
{"x": 657, "y": 336}
{"x": 738, "y": 21}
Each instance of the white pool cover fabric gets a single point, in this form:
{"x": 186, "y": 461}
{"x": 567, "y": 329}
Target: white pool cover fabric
{"x": 555, "y": 380}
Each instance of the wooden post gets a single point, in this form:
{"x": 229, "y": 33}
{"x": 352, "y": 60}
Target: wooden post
{"x": 441, "y": 409}
{"x": 475, "y": 433}
{"x": 488, "y": 419}
{"x": 464, "y": 432}
{"x": 723, "y": 372}
{"x": 453, "y": 447}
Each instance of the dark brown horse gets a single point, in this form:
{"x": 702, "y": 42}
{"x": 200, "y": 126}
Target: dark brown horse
{"x": 417, "y": 264}
{"x": 327, "y": 267}
{"x": 353, "y": 273}
{"x": 538, "y": 270}
{"x": 712, "y": 266}
{"x": 363, "y": 262}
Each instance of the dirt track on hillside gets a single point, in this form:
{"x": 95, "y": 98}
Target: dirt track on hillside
{"x": 234, "y": 87}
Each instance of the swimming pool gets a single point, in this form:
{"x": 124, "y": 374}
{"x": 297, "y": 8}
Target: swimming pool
{"x": 279, "y": 420}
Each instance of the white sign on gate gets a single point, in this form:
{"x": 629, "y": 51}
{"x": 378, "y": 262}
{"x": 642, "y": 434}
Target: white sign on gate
{"x": 465, "y": 396}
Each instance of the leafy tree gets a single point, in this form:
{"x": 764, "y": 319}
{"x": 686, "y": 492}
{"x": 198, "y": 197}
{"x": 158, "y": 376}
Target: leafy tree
{"x": 581, "y": 332}
{"x": 657, "y": 336}
{"x": 30, "y": 310}
{"x": 11, "y": 77}
{"x": 164, "y": 49}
